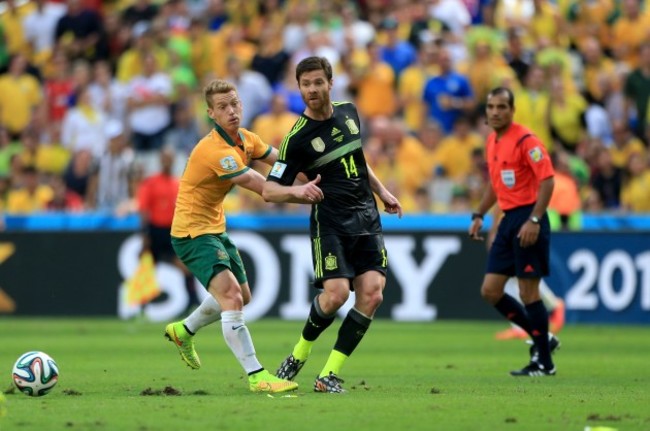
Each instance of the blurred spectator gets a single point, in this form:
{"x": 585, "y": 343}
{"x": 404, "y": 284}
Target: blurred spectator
{"x": 547, "y": 25}
{"x": 637, "y": 91}
{"x": 430, "y": 135}
{"x": 78, "y": 176}
{"x": 31, "y": 196}
{"x": 532, "y": 102}
{"x": 84, "y": 127}
{"x": 630, "y": 32}
{"x": 270, "y": 59}
{"x": 295, "y": 31}
{"x": 107, "y": 93}
{"x": 12, "y": 23}
{"x": 8, "y": 148}
{"x": 625, "y": 144}
{"x": 399, "y": 54}
{"x": 317, "y": 43}
{"x": 411, "y": 85}
{"x": 454, "y": 154}
{"x": 423, "y": 204}
{"x": 598, "y": 126}
{"x": 139, "y": 11}
{"x": 273, "y": 126}
{"x": 485, "y": 67}
{"x": 148, "y": 103}
{"x": 52, "y": 157}
{"x": 111, "y": 180}
{"x": 375, "y": 86}
{"x": 184, "y": 133}
{"x": 39, "y": 27}
{"x": 590, "y": 19}
{"x": 361, "y": 32}
{"x": 597, "y": 69}
{"x": 63, "y": 199}
{"x": 635, "y": 193}
{"x": 448, "y": 95}
{"x": 565, "y": 204}
{"x": 606, "y": 182}
{"x": 19, "y": 95}
{"x": 80, "y": 33}
{"x": 567, "y": 116}
{"x": 59, "y": 88}
{"x": 131, "y": 62}
{"x": 254, "y": 90}
{"x": 519, "y": 58}
{"x": 200, "y": 49}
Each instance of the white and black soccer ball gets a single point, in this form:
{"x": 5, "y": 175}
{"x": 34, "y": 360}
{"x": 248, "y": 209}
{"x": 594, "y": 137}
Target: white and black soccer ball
{"x": 35, "y": 373}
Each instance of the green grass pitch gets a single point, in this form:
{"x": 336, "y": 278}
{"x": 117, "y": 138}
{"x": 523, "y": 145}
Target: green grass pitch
{"x": 404, "y": 376}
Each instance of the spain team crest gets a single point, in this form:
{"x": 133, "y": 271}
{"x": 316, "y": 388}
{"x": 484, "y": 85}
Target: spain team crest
{"x": 318, "y": 144}
{"x": 330, "y": 263}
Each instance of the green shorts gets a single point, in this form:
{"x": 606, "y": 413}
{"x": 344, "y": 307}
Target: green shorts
{"x": 207, "y": 255}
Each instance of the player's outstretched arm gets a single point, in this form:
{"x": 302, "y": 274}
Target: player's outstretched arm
{"x": 251, "y": 180}
{"x": 308, "y": 193}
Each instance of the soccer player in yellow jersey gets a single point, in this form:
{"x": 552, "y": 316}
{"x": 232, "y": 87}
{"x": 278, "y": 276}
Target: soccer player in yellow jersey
{"x": 219, "y": 162}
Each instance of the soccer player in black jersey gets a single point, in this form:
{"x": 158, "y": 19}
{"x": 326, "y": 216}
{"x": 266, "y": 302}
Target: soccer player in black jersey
{"x": 347, "y": 243}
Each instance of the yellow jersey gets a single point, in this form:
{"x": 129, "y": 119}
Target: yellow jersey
{"x": 207, "y": 178}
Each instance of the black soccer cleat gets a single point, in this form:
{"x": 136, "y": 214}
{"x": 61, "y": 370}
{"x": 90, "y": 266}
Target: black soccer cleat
{"x": 533, "y": 370}
{"x": 329, "y": 384}
{"x": 289, "y": 368}
{"x": 553, "y": 344}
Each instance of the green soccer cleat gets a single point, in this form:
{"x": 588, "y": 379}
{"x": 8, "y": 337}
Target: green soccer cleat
{"x": 176, "y": 333}
{"x": 267, "y": 382}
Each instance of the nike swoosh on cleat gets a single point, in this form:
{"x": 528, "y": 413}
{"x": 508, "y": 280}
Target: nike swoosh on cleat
{"x": 176, "y": 340}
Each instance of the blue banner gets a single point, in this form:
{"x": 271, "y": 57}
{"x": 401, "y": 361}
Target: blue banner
{"x": 604, "y": 277}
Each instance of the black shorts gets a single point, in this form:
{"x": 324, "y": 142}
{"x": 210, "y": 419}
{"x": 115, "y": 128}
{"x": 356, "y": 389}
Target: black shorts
{"x": 507, "y": 257}
{"x": 337, "y": 256}
{"x": 161, "y": 243}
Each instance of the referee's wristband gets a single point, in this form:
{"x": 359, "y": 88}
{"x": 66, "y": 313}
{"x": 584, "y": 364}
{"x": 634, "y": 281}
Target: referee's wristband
{"x": 477, "y": 215}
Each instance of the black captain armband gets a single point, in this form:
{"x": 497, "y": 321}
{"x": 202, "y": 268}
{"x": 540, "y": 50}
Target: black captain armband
{"x": 477, "y": 215}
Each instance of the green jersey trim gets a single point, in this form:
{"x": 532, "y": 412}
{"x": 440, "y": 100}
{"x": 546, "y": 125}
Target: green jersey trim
{"x": 225, "y": 136}
{"x": 285, "y": 142}
{"x": 266, "y": 153}
{"x": 339, "y": 152}
{"x": 234, "y": 174}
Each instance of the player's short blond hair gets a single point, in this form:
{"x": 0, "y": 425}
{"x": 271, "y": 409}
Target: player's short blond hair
{"x": 218, "y": 86}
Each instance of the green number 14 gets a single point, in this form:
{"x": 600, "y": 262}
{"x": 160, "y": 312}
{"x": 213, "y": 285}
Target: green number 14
{"x": 350, "y": 167}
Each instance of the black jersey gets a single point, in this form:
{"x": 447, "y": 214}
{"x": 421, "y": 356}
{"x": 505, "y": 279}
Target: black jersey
{"x": 331, "y": 148}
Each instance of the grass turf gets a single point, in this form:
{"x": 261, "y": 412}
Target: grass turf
{"x": 117, "y": 375}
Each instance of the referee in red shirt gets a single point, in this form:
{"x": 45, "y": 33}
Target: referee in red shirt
{"x": 521, "y": 182}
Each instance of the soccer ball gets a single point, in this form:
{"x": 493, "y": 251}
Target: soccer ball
{"x": 35, "y": 373}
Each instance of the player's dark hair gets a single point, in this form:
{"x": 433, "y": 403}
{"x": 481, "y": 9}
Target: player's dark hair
{"x": 310, "y": 64}
{"x": 506, "y": 91}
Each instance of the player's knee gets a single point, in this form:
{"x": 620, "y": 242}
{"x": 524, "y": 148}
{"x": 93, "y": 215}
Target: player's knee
{"x": 336, "y": 298}
{"x": 231, "y": 295}
{"x": 374, "y": 299}
{"x": 490, "y": 294}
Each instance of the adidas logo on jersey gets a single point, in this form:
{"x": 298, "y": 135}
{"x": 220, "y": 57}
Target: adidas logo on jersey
{"x": 335, "y": 131}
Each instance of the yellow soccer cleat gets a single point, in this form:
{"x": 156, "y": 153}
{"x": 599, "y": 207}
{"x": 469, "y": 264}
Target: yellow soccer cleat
{"x": 267, "y": 382}
{"x": 176, "y": 333}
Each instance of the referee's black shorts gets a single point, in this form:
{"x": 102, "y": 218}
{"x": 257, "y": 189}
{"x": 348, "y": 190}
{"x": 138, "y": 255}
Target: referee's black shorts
{"x": 507, "y": 257}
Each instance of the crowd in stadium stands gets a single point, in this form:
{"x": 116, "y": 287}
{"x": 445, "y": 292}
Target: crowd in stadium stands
{"x": 91, "y": 92}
